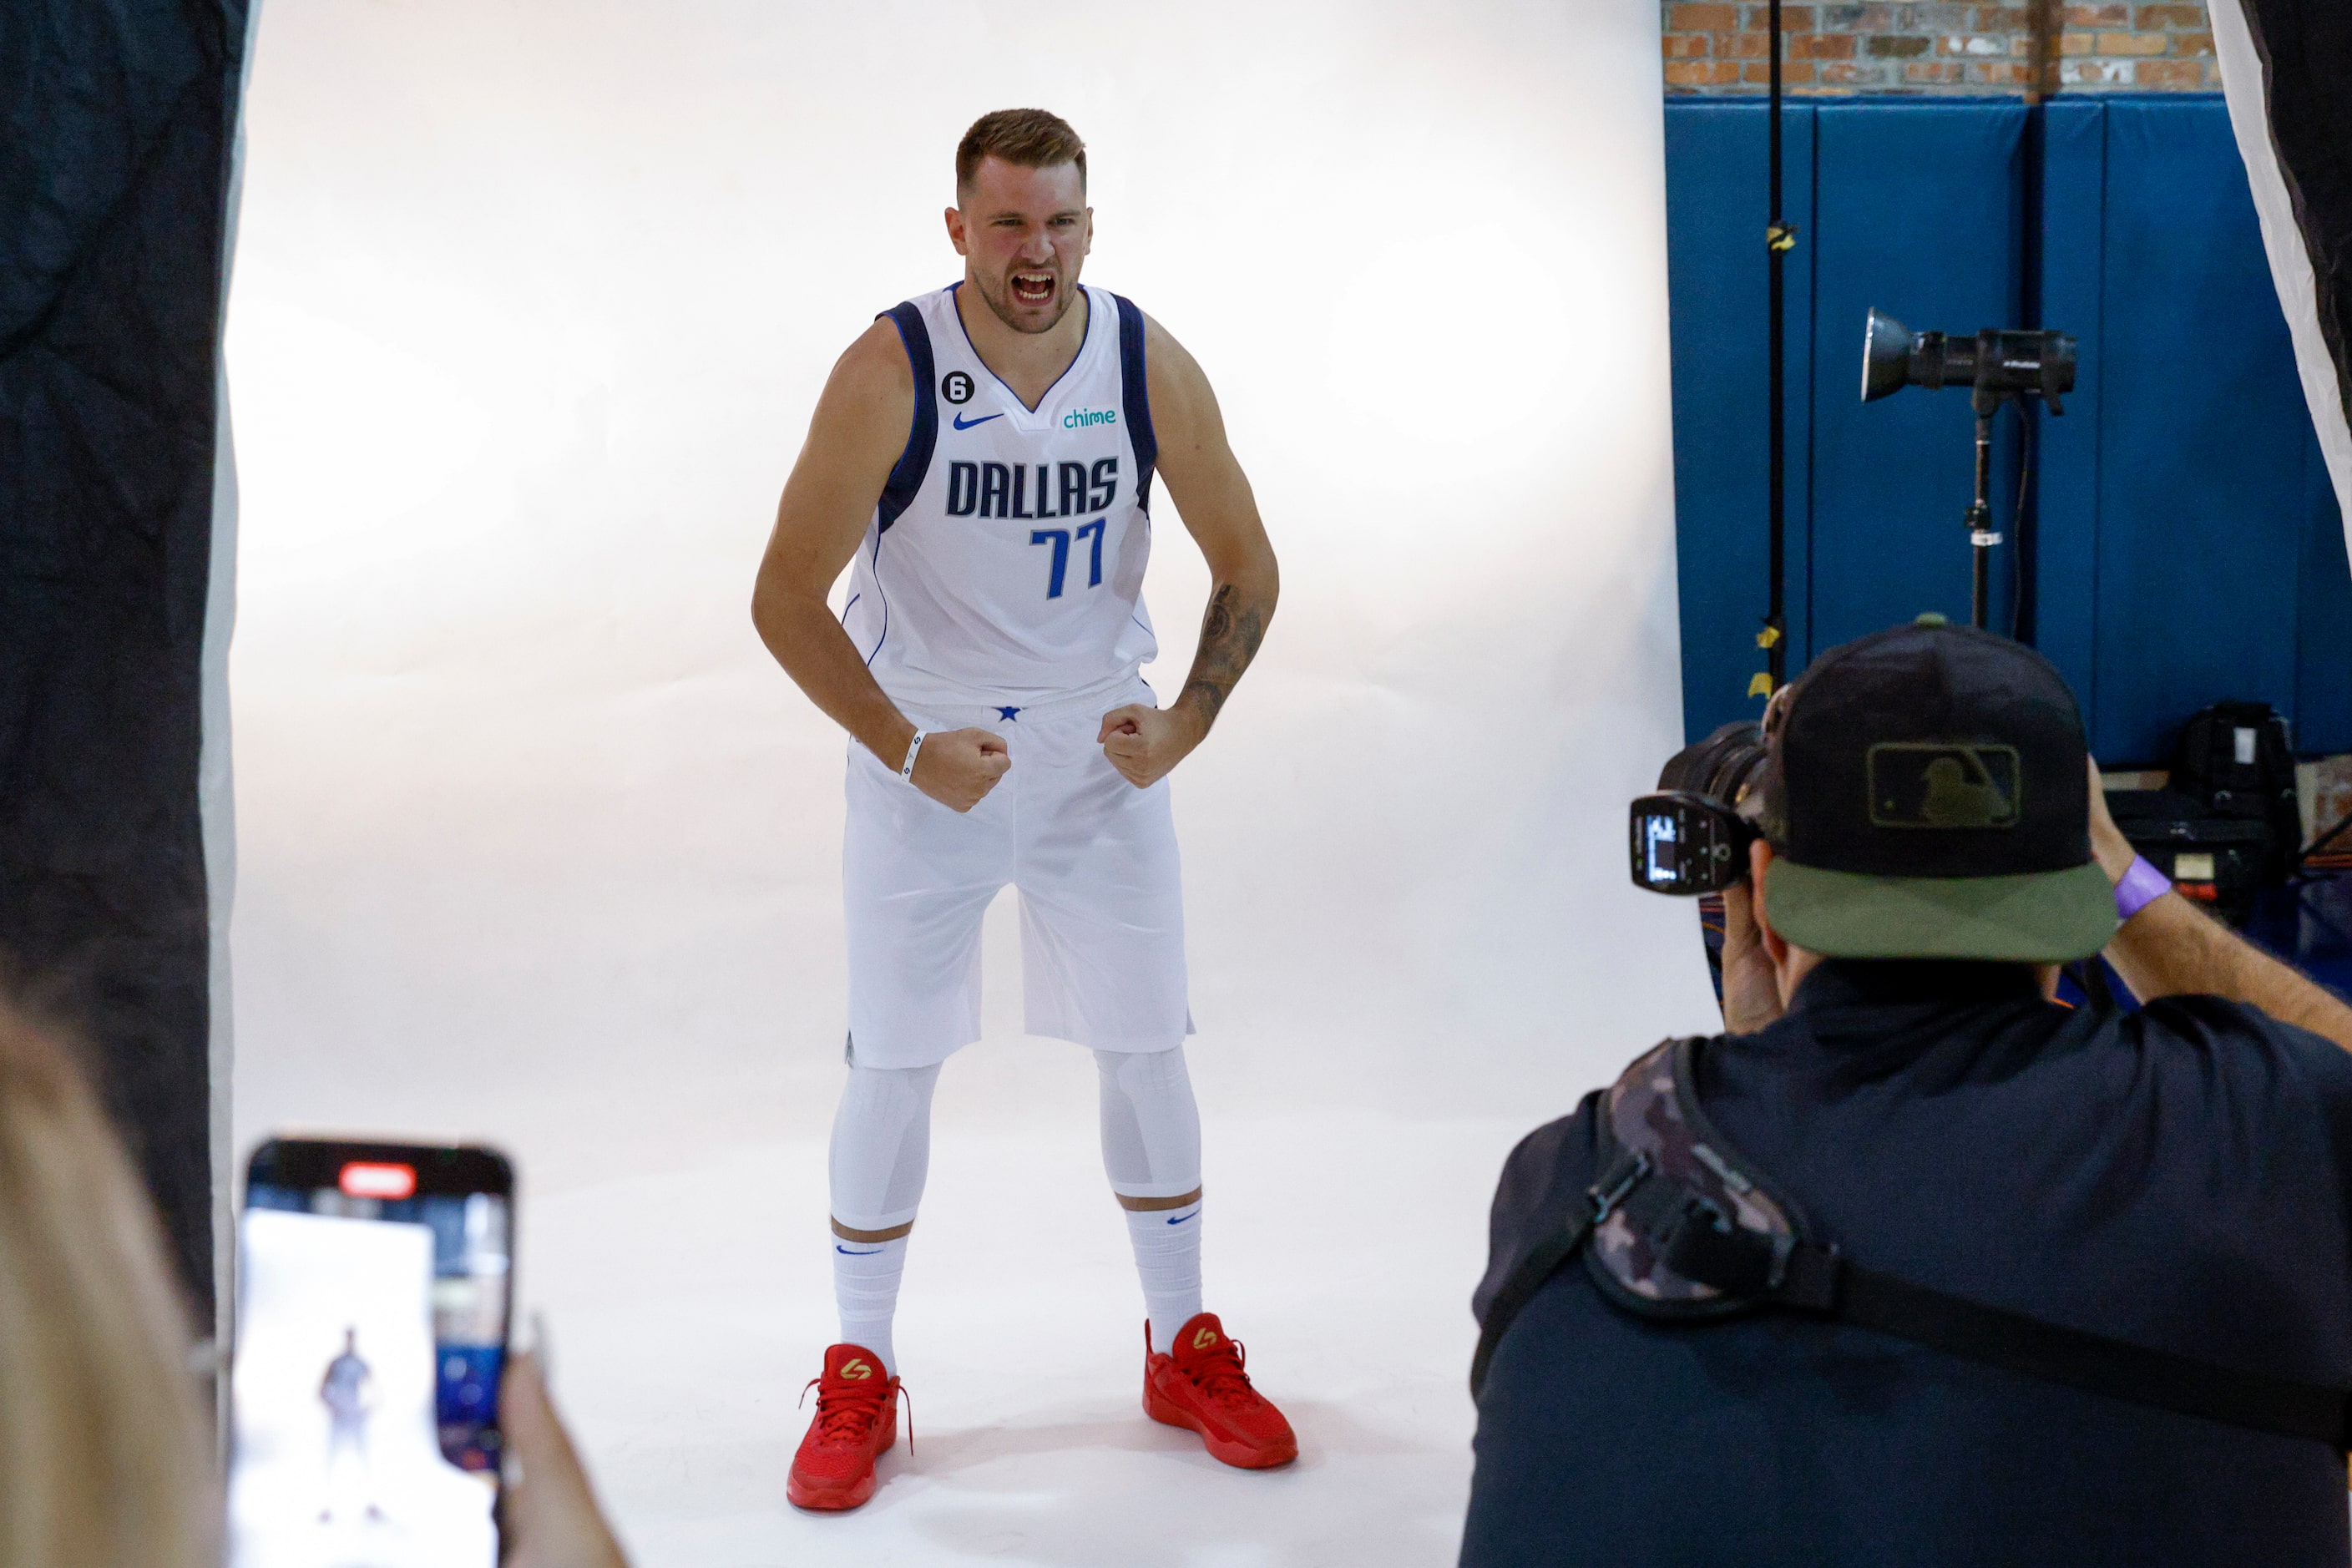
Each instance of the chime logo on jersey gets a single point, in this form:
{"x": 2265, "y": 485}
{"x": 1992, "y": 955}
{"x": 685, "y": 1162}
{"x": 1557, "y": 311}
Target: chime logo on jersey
{"x": 1079, "y": 418}
{"x": 1005, "y": 489}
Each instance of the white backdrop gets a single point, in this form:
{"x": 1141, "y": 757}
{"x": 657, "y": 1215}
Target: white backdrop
{"x": 531, "y": 302}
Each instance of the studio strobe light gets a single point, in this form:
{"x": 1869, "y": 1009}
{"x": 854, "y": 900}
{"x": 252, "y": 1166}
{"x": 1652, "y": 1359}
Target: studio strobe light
{"x": 1995, "y": 363}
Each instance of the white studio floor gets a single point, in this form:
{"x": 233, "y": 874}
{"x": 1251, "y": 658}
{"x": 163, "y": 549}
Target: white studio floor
{"x": 685, "y": 1310}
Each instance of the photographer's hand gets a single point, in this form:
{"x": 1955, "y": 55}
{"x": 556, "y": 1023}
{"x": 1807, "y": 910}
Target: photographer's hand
{"x": 2171, "y": 948}
{"x": 2113, "y": 850}
{"x": 1751, "y": 987}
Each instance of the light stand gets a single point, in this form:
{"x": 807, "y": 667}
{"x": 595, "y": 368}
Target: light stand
{"x": 1780, "y": 238}
{"x": 1981, "y": 535}
{"x": 1997, "y": 367}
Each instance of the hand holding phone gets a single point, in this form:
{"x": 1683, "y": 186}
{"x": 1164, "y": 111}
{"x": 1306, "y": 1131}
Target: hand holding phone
{"x": 552, "y": 1517}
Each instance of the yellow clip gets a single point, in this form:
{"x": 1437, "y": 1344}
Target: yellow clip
{"x": 1781, "y": 236}
{"x": 1767, "y": 637}
{"x": 1759, "y": 684}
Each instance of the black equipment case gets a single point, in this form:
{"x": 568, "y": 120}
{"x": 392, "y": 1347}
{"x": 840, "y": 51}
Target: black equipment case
{"x": 2219, "y": 861}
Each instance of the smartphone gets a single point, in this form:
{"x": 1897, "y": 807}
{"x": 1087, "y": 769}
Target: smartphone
{"x": 376, "y": 1287}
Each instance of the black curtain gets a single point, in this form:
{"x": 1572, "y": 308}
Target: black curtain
{"x": 2307, "y": 52}
{"x": 114, "y": 182}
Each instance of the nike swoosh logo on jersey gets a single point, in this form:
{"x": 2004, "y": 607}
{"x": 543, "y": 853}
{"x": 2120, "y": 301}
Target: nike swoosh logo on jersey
{"x": 963, "y": 423}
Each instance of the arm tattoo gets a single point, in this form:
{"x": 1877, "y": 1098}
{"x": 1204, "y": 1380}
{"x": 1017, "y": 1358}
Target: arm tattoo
{"x": 1230, "y": 633}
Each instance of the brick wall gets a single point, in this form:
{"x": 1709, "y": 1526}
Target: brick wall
{"x": 1715, "y": 45}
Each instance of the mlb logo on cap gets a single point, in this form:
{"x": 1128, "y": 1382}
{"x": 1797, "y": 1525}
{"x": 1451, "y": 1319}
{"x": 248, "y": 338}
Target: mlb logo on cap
{"x": 1942, "y": 784}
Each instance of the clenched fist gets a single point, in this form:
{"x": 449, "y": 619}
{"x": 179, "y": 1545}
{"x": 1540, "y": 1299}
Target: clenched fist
{"x": 958, "y": 767}
{"x": 1143, "y": 743}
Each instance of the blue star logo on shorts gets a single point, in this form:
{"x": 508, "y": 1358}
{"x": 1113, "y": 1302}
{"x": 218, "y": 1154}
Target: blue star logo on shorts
{"x": 1013, "y": 713}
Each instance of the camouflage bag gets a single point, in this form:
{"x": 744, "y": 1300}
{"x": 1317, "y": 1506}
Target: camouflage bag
{"x": 1676, "y": 1210}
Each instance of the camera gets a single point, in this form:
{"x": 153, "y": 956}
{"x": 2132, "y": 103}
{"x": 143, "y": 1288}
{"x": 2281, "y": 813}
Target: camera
{"x": 1692, "y": 836}
{"x": 1995, "y": 363}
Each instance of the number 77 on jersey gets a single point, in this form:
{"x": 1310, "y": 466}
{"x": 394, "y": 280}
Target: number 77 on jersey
{"x": 1059, "y": 538}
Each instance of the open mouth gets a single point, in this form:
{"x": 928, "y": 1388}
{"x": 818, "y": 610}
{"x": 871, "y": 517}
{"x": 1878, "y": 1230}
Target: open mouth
{"x": 1033, "y": 288}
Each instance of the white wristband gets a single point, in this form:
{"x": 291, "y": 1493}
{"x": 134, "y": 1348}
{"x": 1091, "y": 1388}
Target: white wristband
{"x": 907, "y": 768}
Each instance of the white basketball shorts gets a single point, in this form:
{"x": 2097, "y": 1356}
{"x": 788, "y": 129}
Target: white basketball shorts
{"x": 1093, "y": 858}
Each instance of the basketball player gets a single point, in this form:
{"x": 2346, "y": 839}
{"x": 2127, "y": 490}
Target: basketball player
{"x": 348, "y": 1391}
{"x": 982, "y": 459}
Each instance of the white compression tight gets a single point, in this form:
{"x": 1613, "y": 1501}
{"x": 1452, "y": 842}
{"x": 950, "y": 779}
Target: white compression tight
{"x": 1151, "y": 1152}
{"x": 881, "y": 1154}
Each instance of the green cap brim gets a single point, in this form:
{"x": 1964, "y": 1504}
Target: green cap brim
{"x": 2036, "y": 917}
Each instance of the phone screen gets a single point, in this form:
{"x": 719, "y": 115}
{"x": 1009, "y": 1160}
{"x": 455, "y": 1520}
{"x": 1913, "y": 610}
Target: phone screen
{"x": 373, "y": 1297}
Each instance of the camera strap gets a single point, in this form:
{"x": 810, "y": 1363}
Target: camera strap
{"x": 1678, "y": 1227}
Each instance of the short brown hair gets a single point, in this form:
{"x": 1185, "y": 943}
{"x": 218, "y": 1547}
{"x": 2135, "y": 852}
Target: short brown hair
{"x": 1026, "y": 138}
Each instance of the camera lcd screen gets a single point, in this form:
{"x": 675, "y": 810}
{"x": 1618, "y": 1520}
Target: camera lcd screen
{"x": 1658, "y": 834}
{"x": 371, "y": 1334}
{"x": 1686, "y": 844}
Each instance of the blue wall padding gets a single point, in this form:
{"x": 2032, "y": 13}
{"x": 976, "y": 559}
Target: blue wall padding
{"x": 2185, "y": 549}
{"x": 2204, "y": 437}
{"x": 2323, "y": 692}
{"x": 2066, "y": 466}
{"x": 1917, "y": 214}
{"x": 1716, "y": 215}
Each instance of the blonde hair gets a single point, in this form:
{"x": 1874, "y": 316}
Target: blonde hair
{"x": 105, "y": 1454}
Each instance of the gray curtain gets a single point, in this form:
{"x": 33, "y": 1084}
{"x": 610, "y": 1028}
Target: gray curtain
{"x": 114, "y": 179}
{"x": 2286, "y": 65}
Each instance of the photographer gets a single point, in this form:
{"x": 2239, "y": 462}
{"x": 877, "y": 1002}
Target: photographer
{"x": 1983, "y": 1279}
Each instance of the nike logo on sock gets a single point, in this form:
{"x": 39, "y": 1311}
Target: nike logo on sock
{"x": 1181, "y": 1218}
{"x": 846, "y": 1253}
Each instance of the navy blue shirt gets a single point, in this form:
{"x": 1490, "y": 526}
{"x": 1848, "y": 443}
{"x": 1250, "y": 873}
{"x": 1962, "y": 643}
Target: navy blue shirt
{"x": 2174, "y": 1176}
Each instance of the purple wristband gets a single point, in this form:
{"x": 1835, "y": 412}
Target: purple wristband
{"x": 2141, "y": 886}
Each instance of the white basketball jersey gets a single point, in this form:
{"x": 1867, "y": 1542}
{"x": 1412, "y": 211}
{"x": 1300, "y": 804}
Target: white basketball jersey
{"x": 1004, "y": 562}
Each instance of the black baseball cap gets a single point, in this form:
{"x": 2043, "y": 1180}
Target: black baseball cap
{"x": 1933, "y": 800}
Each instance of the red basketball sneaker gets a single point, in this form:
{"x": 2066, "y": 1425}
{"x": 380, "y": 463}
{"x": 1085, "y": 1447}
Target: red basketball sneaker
{"x": 856, "y": 1418}
{"x": 1202, "y": 1386}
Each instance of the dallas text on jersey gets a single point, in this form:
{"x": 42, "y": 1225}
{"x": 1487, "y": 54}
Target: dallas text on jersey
{"x": 1001, "y": 489}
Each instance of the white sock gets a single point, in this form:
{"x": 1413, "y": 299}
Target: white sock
{"x": 880, "y": 1156}
{"x": 1151, "y": 1152}
{"x": 1168, "y": 1257}
{"x": 865, "y": 1289}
